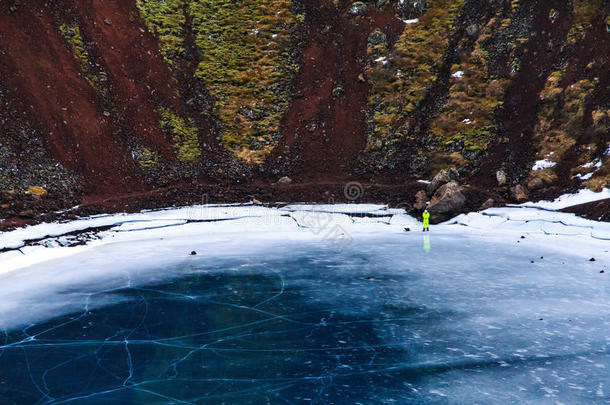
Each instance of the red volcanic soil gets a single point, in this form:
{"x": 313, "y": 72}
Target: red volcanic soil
{"x": 324, "y": 134}
{"x": 597, "y": 211}
{"x": 43, "y": 71}
{"x": 88, "y": 133}
{"x": 185, "y": 195}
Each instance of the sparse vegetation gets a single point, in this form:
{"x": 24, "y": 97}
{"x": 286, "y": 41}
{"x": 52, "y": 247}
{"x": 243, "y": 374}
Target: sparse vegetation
{"x": 399, "y": 85}
{"x": 166, "y": 19}
{"x": 146, "y": 157}
{"x": 184, "y": 135}
{"x": 583, "y": 13}
{"x": 245, "y": 62}
{"x": 97, "y": 79}
{"x": 466, "y": 123}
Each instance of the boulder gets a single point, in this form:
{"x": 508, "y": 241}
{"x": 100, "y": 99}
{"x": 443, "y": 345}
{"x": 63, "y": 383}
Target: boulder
{"x": 411, "y": 9}
{"x": 358, "y": 8}
{"x": 487, "y": 204}
{"x": 382, "y": 3}
{"x": 377, "y": 37}
{"x": 442, "y": 177}
{"x": 285, "y": 180}
{"x": 518, "y": 193}
{"x": 472, "y": 30}
{"x": 501, "y": 177}
{"x": 27, "y": 213}
{"x": 37, "y": 191}
{"x": 338, "y": 90}
{"x": 447, "y": 202}
{"x": 535, "y": 183}
{"x": 420, "y": 200}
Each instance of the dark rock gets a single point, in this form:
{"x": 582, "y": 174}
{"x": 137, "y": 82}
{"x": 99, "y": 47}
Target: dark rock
{"x": 377, "y": 37}
{"x": 193, "y": 253}
{"x": 411, "y": 9}
{"x": 472, "y": 30}
{"x": 592, "y": 259}
{"x": 26, "y": 214}
{"x": 446, "y": 202}
{"x": 408, "y": 229}
{"x": 602, "y": 271}
{"x": 535, "y": 183}
{"x": 338, "y": 90}
{"x": 442, "y": 177}
{"x": 420, "y": 200}
{"x": 358, "y": 8}
{"x": 518, "y": 193}
{"x": 250, "y": 113}
{"x": 284, "y": 180}
{"x": 501, "y": 177}
{"x": 487, "y": 204}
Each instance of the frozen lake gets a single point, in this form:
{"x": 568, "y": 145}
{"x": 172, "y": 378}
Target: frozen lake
{"x": 272, "y": 311}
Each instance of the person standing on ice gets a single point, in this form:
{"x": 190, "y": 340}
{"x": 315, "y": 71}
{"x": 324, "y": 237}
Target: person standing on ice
{"x": 426, "y": 218}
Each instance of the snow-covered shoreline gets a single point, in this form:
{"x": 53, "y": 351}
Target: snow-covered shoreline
{"x": 332, "y": 224}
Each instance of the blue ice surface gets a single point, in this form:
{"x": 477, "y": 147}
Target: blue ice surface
{"x": 411, "y": 318}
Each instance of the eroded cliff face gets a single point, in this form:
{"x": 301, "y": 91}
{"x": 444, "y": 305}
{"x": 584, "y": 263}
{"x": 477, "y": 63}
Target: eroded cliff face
{"x": 102, "y": 99}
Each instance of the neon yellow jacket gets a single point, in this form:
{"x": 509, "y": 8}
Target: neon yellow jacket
{"x": 426, "y": 216}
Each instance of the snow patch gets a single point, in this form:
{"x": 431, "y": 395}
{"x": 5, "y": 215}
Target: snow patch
{"x": 568, "y": 200}
{"x": 596, "y": 163}
{"x": 584, "y": 176}
{"x": 543, "y": 164}
{"x": 458, "y": 74}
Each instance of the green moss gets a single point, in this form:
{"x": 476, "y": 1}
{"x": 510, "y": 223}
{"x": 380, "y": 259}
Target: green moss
{"x": 166, "y": 18}
{"x": 583, "y": 13}
{"x": 184, "y": 135}
{"x": 72, "y": 34}
{"x": 467, "y": 120}
{"x": 245, "y": 65}
{"x": 245, "y": 61}
{"x": 413, "y": 63}
{"x": 74, "y": 37}
{"x": 146, "y": 157}
{"x": 562, "y": 116}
